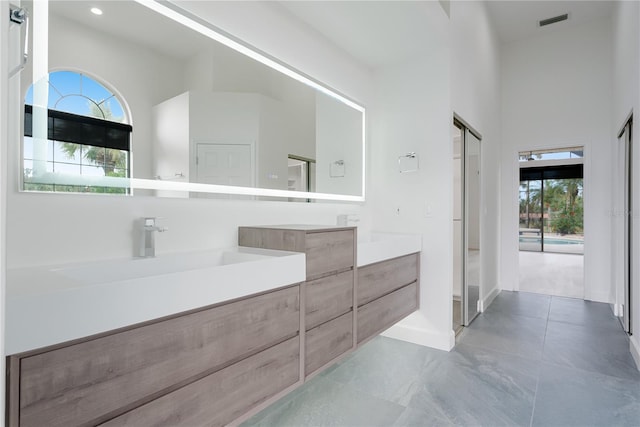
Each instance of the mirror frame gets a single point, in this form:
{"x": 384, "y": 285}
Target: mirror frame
{"x": 193, "y": 22}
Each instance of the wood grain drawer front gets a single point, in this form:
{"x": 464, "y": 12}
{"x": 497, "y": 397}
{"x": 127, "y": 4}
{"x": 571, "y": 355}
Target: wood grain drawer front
{"x": 222, "y": 397}
{"x": 329, "y": 251}
{"x": 85, "y": 382}
{"x": 382, "y": 313}
{"x": 379, "y": 279}
{"x": 328, "y": 298}
{"x": 328, "y": 341}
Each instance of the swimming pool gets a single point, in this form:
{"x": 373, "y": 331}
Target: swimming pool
{"x": 551, "y": 241}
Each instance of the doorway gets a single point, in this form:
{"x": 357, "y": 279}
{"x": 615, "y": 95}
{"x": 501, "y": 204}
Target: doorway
{"x": 551, "y": 222}
{"x": 466, "y": 224}
{"x": 624, "y": 226}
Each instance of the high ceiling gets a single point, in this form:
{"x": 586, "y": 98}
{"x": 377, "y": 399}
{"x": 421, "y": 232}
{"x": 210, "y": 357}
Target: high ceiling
{"x": 374, "y": 32}
{"x": 518, "y": 19}
{"x": 383, "y": 32}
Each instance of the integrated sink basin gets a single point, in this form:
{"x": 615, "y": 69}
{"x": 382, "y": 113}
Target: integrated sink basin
{"x": 52, "y": 304}
{"x": 376, "y": 247}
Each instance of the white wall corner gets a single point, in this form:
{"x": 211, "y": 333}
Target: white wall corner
{"x": 421, "y": 336}
{"x": 634, "y": 347}
{"x": 487, "y": 300}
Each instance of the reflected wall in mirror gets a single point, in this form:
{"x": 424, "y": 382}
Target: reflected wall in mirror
{"x": 196, "y": 112}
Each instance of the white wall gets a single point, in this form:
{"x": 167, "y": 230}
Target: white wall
{"x": 626, "y": 98}
{"x": 475, "y": 97}
{"x": 53, "y": 228}
{"x": 457, "y": 71}
{"x": 336, "y": 125}
{"x": 413, "y": 114}
{"x": 557, "y": 93}
{"x": 140, "y": 76}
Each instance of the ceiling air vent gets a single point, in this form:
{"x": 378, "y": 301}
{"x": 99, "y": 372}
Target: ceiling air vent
{"x": 553, "y": 20}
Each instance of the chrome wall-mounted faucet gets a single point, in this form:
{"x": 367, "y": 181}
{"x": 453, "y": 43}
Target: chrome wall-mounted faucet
{"x": 148, "y": 242}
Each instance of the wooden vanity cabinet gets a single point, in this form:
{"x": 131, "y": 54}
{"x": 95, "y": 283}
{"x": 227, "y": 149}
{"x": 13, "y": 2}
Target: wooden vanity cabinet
{"x": 387, "y": 292}
{"x": 214, "y": 363}
{"x": 329, "y": 291}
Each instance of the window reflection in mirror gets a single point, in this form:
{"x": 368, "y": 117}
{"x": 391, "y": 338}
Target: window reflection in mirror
{"x": 74, "y": 135}
{"x": 187, "y": 92}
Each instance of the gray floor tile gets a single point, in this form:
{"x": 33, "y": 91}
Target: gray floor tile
{"x": 512, "y": 366}
{"x": 479, "y": 387}
{"x": 518, "y": 335}
{"x": 597, "y": 350}
{"x": 323, "y": 402}
{"x": 570, "y": 397}
{"x": 585, "y": 313}
{"x": 412, "y": 417}
{"x": 387, "y": 368}
{"x": 521, "y": 304}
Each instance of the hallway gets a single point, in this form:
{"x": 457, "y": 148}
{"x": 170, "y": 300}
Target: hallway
{"x": 528, "y": 360}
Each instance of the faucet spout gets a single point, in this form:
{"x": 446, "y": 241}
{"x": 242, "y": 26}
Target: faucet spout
{"x": 148, "y": 243}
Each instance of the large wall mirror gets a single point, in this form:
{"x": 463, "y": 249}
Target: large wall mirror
{"x": 137, "y": 103}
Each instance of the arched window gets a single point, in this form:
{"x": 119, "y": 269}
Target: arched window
{"x": 88, "y": 140}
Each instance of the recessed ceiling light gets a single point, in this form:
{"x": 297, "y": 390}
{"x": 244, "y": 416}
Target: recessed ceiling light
{"x": 96, "y": 11}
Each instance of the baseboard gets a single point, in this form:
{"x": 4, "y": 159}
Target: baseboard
{"x": 421, "y": 336}
{"x": 486, "y": 301}
{"x": 598, "y": 297}
{"x": 634, "y": 347}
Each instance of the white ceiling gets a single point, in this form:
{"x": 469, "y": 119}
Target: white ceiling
{"x": 383, "y": 32}
{"x": 518, "y": 19}
{"x": 373, "y": 32}
{"x": 376, "y": 33}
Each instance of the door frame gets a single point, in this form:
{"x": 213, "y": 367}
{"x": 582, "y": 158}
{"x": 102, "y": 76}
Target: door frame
{"x": 465, "y": 130}
{"x": 625, "y": 314}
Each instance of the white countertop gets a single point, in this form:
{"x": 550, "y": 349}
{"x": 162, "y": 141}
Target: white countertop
{"x": 52, "y": 304}
{"x": 375, "y": 247}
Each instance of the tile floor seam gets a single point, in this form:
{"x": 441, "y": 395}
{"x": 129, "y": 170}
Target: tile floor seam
{"x": 540, "y": 362}
{"x": 504, "y": 353}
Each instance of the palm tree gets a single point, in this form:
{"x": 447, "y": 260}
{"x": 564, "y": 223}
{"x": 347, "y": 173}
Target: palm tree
{"x": 108, "y": 159}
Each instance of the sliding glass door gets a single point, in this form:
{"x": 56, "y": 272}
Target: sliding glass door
{"x": 551, "y": 209}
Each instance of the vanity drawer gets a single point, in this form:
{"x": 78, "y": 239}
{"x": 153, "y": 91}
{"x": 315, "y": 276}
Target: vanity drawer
{"x": 384, "y": 312}
{"x": 85, "y": 382}
{"x": 328, "y": 298}
{"x": 381, "y": 278}
{"x": 329, "y": 251}
{"x": 328, "y": 341}
{"x": 223, "y": 396}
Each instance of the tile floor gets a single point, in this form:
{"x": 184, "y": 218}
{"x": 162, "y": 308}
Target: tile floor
{"x": 552, "y": 273}
{"x": 530, "y": 360}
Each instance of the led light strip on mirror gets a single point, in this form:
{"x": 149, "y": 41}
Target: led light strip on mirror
{"x": 183, "y": 17}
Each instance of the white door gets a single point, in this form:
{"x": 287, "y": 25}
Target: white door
{"x": 225, "y": 164}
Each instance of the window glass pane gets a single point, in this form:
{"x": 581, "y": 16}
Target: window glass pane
{"x": 77, "y": 104}
{"x": 67, "y": 168}
{"x": 67, "y": 152}
{"x": 92, "y": 170}
{"x": 113, "y": 110}
{"x": 554, "y": 154}
{"x": 94, "y": 90}
{"x": 93, "y": 155}
{"x": 27, "y": 147}
{"x": 123, "y": 173}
